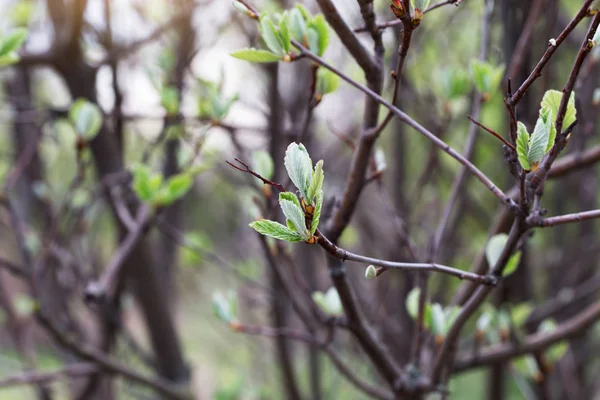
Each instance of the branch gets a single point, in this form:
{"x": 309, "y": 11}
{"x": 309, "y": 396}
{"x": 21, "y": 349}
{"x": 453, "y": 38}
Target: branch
{"x": 415, "y": 125}
{"x": 445, "y": 355}
{"x": 564, "y": 219}
{"x": 345, "y": 255}
{"x": 532, "y": 343}
{"x": 561, "y": 140}
{"x": 36, "y": 377}
{"x": 398, "y": 22}
{"x": 349, "y": 39}
{"x": 105, "y": 286}
{"x": 574, "y": 161}
{"x": 537, "y": 71}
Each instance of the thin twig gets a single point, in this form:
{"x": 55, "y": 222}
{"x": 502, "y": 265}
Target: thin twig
{"x": 345, "y": 255}
{"x": 495, "y": 134}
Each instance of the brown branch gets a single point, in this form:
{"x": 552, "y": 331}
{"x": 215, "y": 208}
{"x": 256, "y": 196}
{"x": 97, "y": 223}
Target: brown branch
{"x": 495, "y": 134}
{"x": 552, "y": 47}
{"x": 36, "y": 377}
{"x": 415, "y": 125}
{"x": 345, "y": 255}
{"x": 533, "y": 343}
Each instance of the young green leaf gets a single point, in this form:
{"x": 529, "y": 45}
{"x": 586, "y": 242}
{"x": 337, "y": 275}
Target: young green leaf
{"x": 276, "y": 230}
{"x": 438, "y": 320}
{"x": 225, "y": 306}
{"x": 520, "y": 313}
{"x": 313, "y": 40}
{"x": 552, "y": 99}
{"x": 420, "y": 4}
{"x": 174, "y": 189}
{"x": 255, "y": 55}
{"x": 327, "y": 81}
{"x": 12, "y": 41}
{"x": 169, "y": 99}
{"x": 512, "y": 264}
{"x": 317, "y": 213}
{"x": 371, "y": 272}
{"x": 9, "y": 59}
{"x": 538, "y": 141}
{"x": 304, "y": 11}
{"x": 289, "y": 196}
{"x": 284, "y": 34}
{"x": 271, "y": 36}
{"x": 141, "y": 182}
{"x": 295, "y": 214}
{"x": 450, "y": 313}
{"x": 319, "y": 24}
{"x": 412, "y": 302}
{"x": 263, "y": 164}
{"x": 241, "y": 8}
{"x": 522, "y": 146}
{"x": 299, "y": 167}
{"x": 316, "y": 182}
{"x": 494, "y": 248}
{"x": 328, "y": 302}
{"x": 297, "y": 25}
{"x": 86, "y": 117}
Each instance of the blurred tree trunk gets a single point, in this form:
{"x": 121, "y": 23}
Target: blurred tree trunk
{"x": 174, "y": 213}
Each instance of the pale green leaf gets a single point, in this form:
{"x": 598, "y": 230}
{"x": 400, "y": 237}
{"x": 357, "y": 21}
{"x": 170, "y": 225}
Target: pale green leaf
{"x": 412, "y": 302}
{"x": 438, "y": 320}
{"x": 520, "y": 313}
{"x": 169, "y": 99}
{"x": 538, "y": 141}
{"x": 86, "y": 117}
{"x": 313, "y": 40}
{"x": 284, "y": 35}
{"x": 522, "y": 146}
{"x": 255, "y": 55}
{"x": 263, "y": 164}
{"x": 289, "y": 196}
{"x": 296, "y": 215}
{"x": 271, "y": 36}
{"x": 319, "y": 24}
{"x": 9, "y": 59}
{"x": 494, "y": 248}
{"x": 317, "y": 213}
{"x": 225, "y": 306}
{"x": 552, "y": 99}
{"x": 299, "y": 167}
{"x": 297, "y": 25}
{"x": 329, "y": 302}
{"x": 451, "y": 313}
{"x": 327, "y": 81}
{"x": 174, "y": 189}
{"x": 316, "y": 183}
{"x": 13, "y": 41}
{"x": 371, "y": 272}
{"x": 512, "y": 264}
{"x": 276, "y": 230}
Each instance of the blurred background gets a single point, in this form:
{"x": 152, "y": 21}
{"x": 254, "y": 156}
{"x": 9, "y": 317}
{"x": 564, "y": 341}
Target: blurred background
{"x": 200, "y": 298}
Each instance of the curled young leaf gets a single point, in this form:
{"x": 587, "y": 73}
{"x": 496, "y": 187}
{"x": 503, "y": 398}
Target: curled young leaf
{"x": 317, "y": 213}
{"x": 299, "y": 167}
{"x": 522, "y": 146}
{"x": 371, "y": 272}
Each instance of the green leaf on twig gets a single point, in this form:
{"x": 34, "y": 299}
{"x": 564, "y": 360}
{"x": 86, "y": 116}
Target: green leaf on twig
{"x": 276, "y": 230}
{"x": 86, "y": 118}
{"x": 255, "y": 55}
{"x": 552, "y": 99}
